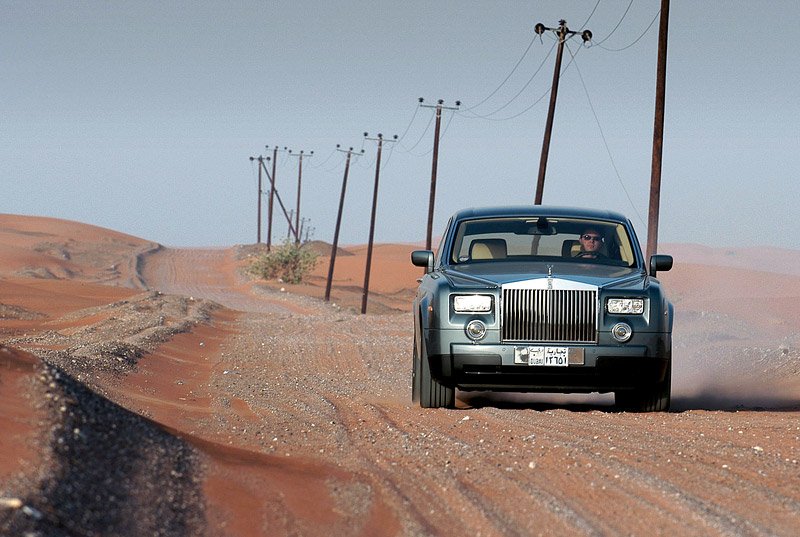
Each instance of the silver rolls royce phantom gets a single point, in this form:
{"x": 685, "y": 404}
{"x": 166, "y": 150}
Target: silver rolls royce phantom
{"x": 542, "y": 299}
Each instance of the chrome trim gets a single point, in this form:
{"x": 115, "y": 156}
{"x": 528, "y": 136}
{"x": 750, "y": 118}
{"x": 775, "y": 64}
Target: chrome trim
{"x": 542, "y": 315}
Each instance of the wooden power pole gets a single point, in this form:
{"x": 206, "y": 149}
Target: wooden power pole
{"x": 365, "y": 293}
{"x": 562, "y": 33}
{"x": 658, "y": 132}
{"x": 435, "y": 165}
{"x": 338, "y": 221}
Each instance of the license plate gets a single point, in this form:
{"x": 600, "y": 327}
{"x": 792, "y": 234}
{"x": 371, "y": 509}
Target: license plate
{"x": 542, "y": 356}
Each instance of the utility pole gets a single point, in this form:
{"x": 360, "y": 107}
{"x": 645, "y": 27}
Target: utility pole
{"x": 258, "y": 218}
{"x": 658, "y": 132}
{"x": 562, "y": 33}
{"x": 335, "y": 247}
{"x": 300, "y": 156}
{"x": 380, "y": 141}
{"x": 262, "y": 166}
{"x": 272, "y": 196}
{"x": 435, "y": 165}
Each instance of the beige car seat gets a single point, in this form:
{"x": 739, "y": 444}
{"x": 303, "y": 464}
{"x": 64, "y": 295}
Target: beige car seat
{"x": 488, "y": 249}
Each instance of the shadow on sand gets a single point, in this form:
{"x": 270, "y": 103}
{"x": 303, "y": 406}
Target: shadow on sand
{"x": 605, "y": 402}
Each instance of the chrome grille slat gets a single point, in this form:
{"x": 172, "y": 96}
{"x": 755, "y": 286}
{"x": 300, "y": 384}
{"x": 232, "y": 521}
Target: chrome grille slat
{"x": 541, "y": 315}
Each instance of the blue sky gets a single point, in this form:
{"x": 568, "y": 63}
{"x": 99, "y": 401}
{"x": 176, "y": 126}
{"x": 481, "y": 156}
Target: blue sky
{"x": 141, "y": 116}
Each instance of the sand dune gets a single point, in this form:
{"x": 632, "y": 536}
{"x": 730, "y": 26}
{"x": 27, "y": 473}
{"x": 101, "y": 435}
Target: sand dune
{"x": 223, "y": 377}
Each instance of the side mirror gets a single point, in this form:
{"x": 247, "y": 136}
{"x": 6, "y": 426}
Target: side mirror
{"x": 423, "y": 258}
{"x": 660, "y": 262}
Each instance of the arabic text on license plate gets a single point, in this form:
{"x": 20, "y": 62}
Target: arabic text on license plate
{"x": 548, "y": 356}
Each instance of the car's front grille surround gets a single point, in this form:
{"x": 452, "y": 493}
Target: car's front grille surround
{"x": 549, "y": 315}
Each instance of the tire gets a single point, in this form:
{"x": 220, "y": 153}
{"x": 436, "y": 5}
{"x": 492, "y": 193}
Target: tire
{"x": 655, "y": 399}
{"x": 432, "y": 394}
{"x": 415, "y": 374}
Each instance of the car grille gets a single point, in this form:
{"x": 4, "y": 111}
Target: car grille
{"x": 558, "y": 316}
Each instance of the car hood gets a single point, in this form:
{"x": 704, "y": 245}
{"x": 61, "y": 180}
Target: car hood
{"x": 582, "y": 274}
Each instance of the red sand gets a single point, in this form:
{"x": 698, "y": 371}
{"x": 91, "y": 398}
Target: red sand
{"x": 50, "y": 268}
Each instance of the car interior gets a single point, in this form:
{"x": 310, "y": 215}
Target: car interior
{"x": 488, "y": 249}
{"x": 520, "y": 240}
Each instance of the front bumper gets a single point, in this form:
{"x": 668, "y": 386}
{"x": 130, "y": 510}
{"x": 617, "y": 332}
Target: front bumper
{"x": 604, "y": 368}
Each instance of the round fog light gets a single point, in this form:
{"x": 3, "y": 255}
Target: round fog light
{"x": 476, "y": 330}
{"x": 621, "y": 332}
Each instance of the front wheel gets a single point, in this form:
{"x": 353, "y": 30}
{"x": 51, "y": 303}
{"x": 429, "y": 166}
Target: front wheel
{"x": 651, "y": 399}
{"x": 432, "y": 394}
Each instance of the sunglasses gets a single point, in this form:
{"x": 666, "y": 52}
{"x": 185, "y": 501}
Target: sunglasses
{"x": 596, "y": 238}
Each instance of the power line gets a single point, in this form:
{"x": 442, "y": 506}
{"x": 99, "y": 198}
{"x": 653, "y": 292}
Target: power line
{"x": 514, "y": 98}
{"x": 605, "y": 142}
{"x": 582, "y": 26}
{"x": 335, "y": 166}
{"x": 534, "y": 103}
{"x": 637, "y": 39}
{"x": 617, "y": 26}
{"x": 413, "y": 116}
{"x": 321, "y": 164}
{"x": 444, "y": 131}
{"x": 428, "y": 126}
{"x": 513, "y": 70}
{"x": 385, "y": 163}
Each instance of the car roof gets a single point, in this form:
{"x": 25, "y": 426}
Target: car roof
{"x": 538, "y": 210}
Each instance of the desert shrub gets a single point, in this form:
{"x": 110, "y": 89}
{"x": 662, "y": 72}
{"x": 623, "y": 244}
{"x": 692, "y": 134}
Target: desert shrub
{"x": 289, "y": 262}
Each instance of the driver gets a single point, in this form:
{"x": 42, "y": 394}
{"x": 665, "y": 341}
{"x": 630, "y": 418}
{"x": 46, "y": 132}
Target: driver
{"x": 591, "y": 242}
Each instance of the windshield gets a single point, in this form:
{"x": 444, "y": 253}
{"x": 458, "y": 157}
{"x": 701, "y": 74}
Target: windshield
{"x": 539, "y": 238}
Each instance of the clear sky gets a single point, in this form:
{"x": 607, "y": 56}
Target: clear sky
{"x": 141, "y": 116}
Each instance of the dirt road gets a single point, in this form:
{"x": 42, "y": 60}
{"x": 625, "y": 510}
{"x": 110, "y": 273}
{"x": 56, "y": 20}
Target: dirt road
{"x": 299, "y": 420}
{"x": 331, "y": 389}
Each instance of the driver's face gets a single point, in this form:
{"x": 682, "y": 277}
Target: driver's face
{"x": 591, "y": 241}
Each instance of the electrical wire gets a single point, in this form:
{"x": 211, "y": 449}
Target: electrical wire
{"x": 605, "y": 142}
{"x": 514, "y": 98}
{"x": 441, "y": 137}
{"x": 537, "y": 101}
{"x": 416, "y": 109}
{"x": 367, "y": 163}
{"x": 282, "y": 161}
{"x": 338, "y": 163}
{"x": 388, "y": 157}
{"x": 428, "y": 126}
{"x": 513, "y": 70}
{"x": 617, "y": 26}
{"x": 590, "y": 15}
{"x": 321, "y": 164}
{"x": 636, "y": 40}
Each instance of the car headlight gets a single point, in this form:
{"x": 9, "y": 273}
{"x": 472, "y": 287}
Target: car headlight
{"x": 625, "y": 306}
{"x": 472, "y": 303}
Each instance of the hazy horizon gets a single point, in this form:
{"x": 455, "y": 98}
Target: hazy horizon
{"x": 141, "y": 117}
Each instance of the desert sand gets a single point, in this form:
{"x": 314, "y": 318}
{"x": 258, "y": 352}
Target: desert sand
{"x": 147, "y": 390}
